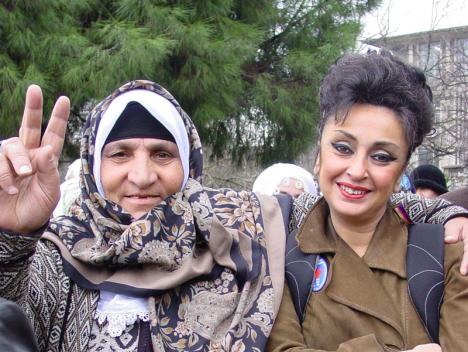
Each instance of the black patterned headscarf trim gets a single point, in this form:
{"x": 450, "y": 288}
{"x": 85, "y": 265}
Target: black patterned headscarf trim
{"x": 200, "y": 255}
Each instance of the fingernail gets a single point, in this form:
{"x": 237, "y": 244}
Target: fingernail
{"x": 25, "y": 169}
{"x": 12, "y": 190}
{"x": 449, "y": 238}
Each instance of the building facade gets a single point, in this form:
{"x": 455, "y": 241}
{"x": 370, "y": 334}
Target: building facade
{"x": 443, "y": 56}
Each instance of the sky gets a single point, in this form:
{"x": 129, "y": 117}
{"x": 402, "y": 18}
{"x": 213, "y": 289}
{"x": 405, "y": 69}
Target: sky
{"x": 398, "y": 17}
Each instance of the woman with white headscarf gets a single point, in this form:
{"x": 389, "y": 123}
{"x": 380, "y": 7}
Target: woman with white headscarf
{"x": 148, "y": 260}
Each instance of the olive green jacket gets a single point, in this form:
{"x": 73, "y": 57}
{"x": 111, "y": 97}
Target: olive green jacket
{"x": 364, "y": 304}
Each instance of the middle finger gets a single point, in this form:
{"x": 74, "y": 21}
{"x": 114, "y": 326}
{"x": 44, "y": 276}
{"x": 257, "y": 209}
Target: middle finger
{"x": 54, "y": 135}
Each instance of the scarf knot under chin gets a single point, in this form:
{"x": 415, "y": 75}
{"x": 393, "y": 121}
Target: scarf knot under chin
{"x": 165, "y": 236}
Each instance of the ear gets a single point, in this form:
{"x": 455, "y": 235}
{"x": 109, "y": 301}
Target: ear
{"x": 316, "y": 169}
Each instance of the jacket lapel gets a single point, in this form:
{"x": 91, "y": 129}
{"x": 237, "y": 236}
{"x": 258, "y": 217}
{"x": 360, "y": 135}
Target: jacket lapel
{"x": 353, "y": 283}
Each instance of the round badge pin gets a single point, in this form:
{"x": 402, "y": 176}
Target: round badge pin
{"x": 320, "y": 275}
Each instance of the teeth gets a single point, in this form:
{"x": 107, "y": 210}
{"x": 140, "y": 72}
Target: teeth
{"x": 352, "y": 191}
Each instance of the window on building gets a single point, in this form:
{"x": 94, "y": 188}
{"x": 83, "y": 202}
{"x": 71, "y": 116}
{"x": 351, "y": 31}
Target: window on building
{"x": 429, "y": 56}
{"x": 460, "y": 53}
{"x": 425, "y": 156}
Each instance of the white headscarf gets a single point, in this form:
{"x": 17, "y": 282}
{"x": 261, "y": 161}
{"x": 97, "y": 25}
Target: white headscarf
{"x": 270, "y": 178}
{"x": 161, "y": 109}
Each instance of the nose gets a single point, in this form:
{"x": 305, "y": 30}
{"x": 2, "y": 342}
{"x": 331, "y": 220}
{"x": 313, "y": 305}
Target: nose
{"x": 142, "y": 172}
{"x": 357, "y": 168}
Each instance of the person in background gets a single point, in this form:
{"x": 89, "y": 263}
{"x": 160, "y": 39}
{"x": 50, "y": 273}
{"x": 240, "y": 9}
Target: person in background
{"x": 429, "y": 181}
{"x": 282, "y": 178}
{"x": 69, "y": 189}
{"x": 406, "y": 184}
{"x": 374, "y": 111}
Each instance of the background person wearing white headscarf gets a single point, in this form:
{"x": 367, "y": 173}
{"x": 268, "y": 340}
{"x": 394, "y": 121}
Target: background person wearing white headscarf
{"x": 285, "y": 178}
{"x": 69, "y": 189}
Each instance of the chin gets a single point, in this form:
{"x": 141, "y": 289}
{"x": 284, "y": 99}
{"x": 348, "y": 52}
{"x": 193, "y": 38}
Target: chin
{"x": 354, "y": 210}
{"x": 139, "y": 214}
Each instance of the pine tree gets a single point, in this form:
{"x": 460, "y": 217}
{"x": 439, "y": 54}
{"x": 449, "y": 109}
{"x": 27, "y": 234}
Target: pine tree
{"x": 246, "y": 71}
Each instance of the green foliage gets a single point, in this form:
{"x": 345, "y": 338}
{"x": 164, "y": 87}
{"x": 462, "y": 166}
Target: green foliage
{"x": 246, "y": 71}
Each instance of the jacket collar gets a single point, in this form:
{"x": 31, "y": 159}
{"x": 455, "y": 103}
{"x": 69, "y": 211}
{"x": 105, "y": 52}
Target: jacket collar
{"x": 384, "y": 251}
{"x": 313, "y": 236}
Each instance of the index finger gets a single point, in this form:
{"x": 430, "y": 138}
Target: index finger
{"x": 54, "y": 134}
{"x": 30, "y": 130}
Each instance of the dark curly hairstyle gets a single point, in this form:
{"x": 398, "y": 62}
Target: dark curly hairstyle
{"x": 383, "y": 80}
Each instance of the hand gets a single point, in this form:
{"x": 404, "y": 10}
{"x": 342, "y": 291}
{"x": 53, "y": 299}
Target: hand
{"x": 428, "y": 347}
{"x": 29, "y": 177}
{"x": 456, "y": 229}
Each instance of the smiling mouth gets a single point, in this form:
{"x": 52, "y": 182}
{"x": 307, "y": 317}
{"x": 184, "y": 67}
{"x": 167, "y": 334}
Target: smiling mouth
{"x": 353, "y": 192}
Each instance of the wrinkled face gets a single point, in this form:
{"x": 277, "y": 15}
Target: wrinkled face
{"x": 139, "y": 173}
{"x": 291, "y": 186}
{"x": 426, "y": 192}
{"x": 361, "y": 161}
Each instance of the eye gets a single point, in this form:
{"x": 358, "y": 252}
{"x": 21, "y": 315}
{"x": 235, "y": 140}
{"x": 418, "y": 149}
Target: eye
{"x": 342, "y": 148}
{"x": 117, "y": 155}
{"x": 162, "y": 155}
{"x": 383, "y": 158}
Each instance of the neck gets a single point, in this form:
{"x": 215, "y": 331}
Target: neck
{"x": 357, "y": 232}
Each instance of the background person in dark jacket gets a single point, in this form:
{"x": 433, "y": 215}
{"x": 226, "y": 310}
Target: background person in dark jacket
{"x": 429, "y": 181}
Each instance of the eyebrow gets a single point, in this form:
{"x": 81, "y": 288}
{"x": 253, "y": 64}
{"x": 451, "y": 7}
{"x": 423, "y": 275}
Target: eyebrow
{"x": 378, "y": 143}
{"x": 154, "y": 145}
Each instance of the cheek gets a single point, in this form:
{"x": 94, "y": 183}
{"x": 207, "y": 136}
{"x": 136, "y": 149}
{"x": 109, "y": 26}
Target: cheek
{"x": 329, "y": 165}
{"x": 175, "y": 177}
{"x": 111, "y": 179}
{"x": 390, "y": 179}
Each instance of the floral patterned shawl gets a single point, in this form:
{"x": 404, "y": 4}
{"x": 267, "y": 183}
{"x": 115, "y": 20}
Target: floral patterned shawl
{"x": 202, "y": 256}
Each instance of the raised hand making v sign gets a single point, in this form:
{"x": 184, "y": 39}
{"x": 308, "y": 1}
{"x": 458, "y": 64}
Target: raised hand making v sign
{"x": 29, "y": 177}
